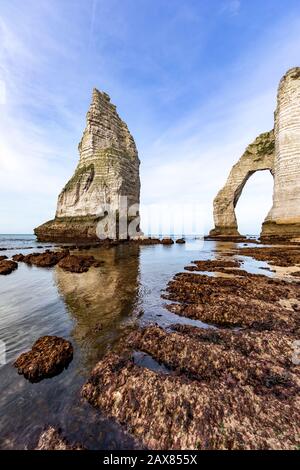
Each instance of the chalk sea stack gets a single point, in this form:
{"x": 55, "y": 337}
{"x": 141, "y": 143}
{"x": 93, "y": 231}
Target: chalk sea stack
{"x": 108, "y": 168}
{"x": 279, "y": 152}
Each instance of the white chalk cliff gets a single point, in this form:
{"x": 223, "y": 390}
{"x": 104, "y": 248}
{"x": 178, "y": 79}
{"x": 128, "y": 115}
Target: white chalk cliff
{"x": 108, "y": 168}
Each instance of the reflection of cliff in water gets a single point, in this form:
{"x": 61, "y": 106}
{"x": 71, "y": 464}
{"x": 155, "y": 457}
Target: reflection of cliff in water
{"x": 102, "y": 301}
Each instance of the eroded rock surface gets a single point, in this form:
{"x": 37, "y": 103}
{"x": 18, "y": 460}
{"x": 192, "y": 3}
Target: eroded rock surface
{"x": 252, "y": 301}
{"x": 174, "y": 412}
{"x": 258, "y": 156}
{"x": 210, "y": 388}
{"x": 279, "y": 152}
{"x": 52, "y": 439}
{"x": 49, "y": 356}
{"x": 108, "y": 168}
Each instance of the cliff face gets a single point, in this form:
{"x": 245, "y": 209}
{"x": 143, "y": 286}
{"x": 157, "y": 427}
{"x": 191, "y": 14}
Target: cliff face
{"x": 279, "y": 152}
{"x": 258, "y": 156}
{"x": 108, "y": 168}
{"x": 284, "y": 217}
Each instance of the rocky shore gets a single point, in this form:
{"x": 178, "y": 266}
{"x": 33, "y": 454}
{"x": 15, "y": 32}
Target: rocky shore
{"x": 231, "y": 384}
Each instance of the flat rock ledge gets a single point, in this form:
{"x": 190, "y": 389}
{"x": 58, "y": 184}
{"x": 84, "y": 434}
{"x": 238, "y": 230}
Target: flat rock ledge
{"x": 52, "y": 439}
{"x": 49, "y": 356}
{"x": 7, "y": 266}
{"x": 232, "y": 387}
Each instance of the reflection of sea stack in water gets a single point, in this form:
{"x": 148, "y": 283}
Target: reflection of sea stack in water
{"x": 102, "y": 300}
{"x": 108, "y": 168}
{"x": 279, "y": 152}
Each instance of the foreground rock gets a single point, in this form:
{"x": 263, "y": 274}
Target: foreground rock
{"x": 235, "y": 358}
{"x": 174, "y": 412}
{"x": 108, "y": 168}
{"x": 276, "y": 255}
{"x": 213, "y": 265}
{"x": 2, "y": 258}
{"x": 7, "y": 267}
{"x": 78, "y": 264}
{"x": 49, "y": 356}
{"x": 51, "y": 439}
{"x": 253, "y": 301}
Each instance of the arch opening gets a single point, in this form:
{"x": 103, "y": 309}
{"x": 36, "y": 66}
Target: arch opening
{"x": 254, "y": 201}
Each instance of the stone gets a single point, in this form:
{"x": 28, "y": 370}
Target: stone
{"x": 108, "y": 168}
{"x": 52, "y": 439}
{"x": 180, "y": 241}
{"x": 18, "y": 257}
{"x": 49, "y": 356}
{"x": 258, "y": 156}
{"x": 7, "y": 267}
{"x": 167, "y": 241}
{"x": 2, "y": 258}
{"x": 78, "y": 264}
{"x": 171, "y": 411}
{"x": 45, "y": 260}
{"x": 279, "y": 152}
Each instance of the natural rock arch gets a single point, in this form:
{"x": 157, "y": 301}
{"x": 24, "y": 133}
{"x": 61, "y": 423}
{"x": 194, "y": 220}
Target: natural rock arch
{"x": 258, "y": 156}
{"x": 278, "y": 151}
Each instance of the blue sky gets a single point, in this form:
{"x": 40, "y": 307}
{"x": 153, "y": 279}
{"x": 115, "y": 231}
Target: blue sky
{"x": 195, "y": 81}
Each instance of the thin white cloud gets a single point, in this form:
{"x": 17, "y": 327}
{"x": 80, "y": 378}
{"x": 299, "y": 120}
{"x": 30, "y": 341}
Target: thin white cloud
{"x": 231, "y": 7}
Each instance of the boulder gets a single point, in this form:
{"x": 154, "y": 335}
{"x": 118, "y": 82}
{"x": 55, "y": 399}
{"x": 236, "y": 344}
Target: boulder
{"x": 6, "y": 267}
{"x": 78, "y": 264}
{"x": 49, "y": 356}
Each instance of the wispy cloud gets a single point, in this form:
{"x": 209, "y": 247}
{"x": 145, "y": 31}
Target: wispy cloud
{"x": 231, "y": 7}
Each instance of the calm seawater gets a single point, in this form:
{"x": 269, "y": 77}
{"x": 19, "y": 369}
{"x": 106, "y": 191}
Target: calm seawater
{"x": 124, "y": 293}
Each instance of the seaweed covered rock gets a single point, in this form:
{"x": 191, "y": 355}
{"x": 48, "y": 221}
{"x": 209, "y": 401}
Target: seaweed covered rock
{"x": 52, "y": 439}
{"x": 7, "y": 266}
{"x": 45, "y": 260}
{"x": 49, "y": 356}
{"x": 78, "y": 264}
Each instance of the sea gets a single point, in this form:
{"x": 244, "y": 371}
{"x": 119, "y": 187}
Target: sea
{"x": 93, "y": 310}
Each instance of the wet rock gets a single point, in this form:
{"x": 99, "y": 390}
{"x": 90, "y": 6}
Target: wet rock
{"x": 173, "y": 412}
{"x": 52, "y": 439}
{"x": 233, "y": 357}
{"x": 78, "y": 264}
{"x": 7, "y": 267}
{"x": 2, "y": 258}
{"x": 18, "y": 257}
{"x": 250, "y": 301}
{"x": 167, "y": 241}
{"x": 49, "y": 356}
{"x": 45, "y": 260}
{"x": 147, "y": 241}
{"x": 180, "y": 241}
{"x": 213, "y": 265}
{"x": 276, "y": 255}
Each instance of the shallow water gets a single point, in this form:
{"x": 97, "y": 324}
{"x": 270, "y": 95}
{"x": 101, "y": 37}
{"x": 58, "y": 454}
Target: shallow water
{"x": 93, "y": 310}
